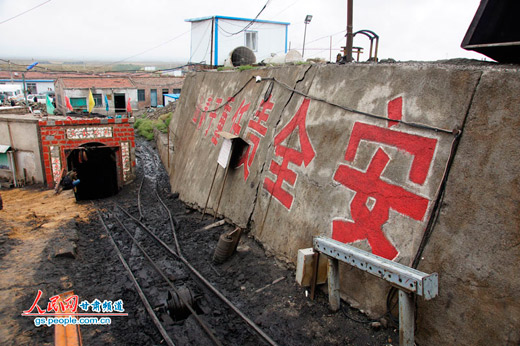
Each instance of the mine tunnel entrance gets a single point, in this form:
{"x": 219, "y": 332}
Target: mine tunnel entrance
{"x": 96, "y": 167}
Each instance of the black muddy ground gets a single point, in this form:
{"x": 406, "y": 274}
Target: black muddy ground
{"x": 282, "y": 310}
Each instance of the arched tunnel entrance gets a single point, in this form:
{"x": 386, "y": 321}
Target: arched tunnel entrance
{"x": 96, "y": 167}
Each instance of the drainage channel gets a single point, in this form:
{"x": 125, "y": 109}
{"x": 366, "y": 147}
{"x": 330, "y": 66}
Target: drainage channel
{"x": 181, "y": 302}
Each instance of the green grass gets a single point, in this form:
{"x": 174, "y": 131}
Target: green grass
{"x": 145, "y": 127}
{"x": 245, "y": 67}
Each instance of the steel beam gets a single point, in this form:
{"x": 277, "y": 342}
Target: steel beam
{"x": 401, "y": 276}
{"x": 408, "y": 280}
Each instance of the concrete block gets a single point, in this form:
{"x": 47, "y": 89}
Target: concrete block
{"x": 304, "y": 268}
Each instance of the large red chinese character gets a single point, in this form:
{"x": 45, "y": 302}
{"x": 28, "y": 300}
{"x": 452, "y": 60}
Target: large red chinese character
{"x": 304, "y": 156}
{"x": 375, "y": 197}
{"x": 213, "y": 115}
{"x": 197, "y": 112}
{"x": 222, "y": 121}
{"x": 203, "y": 115}
{"x": 235, "y": 128}
{"x": 258, "y": 124}
{"x": 371, "y": 204}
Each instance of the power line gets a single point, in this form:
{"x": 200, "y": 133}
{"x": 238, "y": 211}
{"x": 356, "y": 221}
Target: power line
{"x": 149, "y": 49}
{"x": 249, "y": 24}
{"x": 18, "y": 15}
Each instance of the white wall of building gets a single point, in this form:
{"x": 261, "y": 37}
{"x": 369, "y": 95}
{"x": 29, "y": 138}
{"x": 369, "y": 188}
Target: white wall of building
{"x": 41, "y": 85}
{"x": 271, "y": 38}
{"x": 21, "y": 133}
{"x": 200, "y": 47}
{"x": 228, "y": 35}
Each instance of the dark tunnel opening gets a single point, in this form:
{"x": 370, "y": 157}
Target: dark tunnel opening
{"x": 96, "y": 168}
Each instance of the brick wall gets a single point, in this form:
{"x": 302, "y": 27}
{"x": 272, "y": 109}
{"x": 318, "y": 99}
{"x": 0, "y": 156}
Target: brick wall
{"x": 59, "y": 135}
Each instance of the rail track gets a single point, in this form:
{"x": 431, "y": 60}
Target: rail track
{"x": 184, "y": 306}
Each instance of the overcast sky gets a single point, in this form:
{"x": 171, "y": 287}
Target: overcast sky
{"x": 114, "y": 31}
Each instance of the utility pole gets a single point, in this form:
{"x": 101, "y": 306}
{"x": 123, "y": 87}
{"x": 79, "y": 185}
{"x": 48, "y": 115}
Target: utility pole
{"x": 350, "y": 25}
{"x": 10, "y": 72}
{"x": 308, "y": 19}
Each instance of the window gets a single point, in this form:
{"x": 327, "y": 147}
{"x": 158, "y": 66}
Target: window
{"x": 140, "y": 95}
{"x": 252, "y": 40}
{"x": 31, "y": 88}
{"x": 78, "y": 102}
{"x": 4, "y": 161}
{"x": 165, "y": 91}
{"x": 176, "y": 91}
{"x": 98, "y": 99}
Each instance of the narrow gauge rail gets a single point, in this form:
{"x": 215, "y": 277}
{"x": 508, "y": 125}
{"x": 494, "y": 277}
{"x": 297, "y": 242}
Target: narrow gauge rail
{"x": 117, "y": 234}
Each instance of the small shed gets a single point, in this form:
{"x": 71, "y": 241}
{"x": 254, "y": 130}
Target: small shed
{"x": 168, "y": 98}
{"x": 214, "y": 38}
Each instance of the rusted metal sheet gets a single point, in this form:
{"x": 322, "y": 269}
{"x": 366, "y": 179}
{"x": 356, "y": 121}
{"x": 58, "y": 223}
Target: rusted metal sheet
{"x": 494, "y": 31}
{"x": 70, "y": 334}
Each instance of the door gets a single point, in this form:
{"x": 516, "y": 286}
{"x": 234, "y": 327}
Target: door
{"x": 153, "y": 97}
{"x": 120, "y": 103}
{"x": 164, "y": 92}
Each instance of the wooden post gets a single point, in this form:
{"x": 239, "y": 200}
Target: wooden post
{"x": 333, "y": 283}
{"x": 221, "y": 191}
{"x": 209, "y": 193}
{"x": 314, "y": 278}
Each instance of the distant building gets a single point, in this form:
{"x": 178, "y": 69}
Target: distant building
{"x": 116, "y": 89}
{"x": 35, "y": 82}
{"x": 213, "y": 38}
{"x": 151, "y": 91}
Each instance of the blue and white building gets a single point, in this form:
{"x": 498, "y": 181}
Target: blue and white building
{"x": 213, "y": 38}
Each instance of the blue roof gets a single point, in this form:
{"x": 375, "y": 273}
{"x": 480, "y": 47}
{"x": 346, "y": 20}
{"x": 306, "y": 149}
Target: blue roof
{"x": 236, "y": 18}
{"x": 173, "y": 96}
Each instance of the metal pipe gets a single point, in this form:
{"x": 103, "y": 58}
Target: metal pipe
{"x": 146, "y": 304}
{"x": 406, "y": 319}
{"x": 304, "y": 34}
{"x": 204, "y": 281}
{"x": 350, "y": 24}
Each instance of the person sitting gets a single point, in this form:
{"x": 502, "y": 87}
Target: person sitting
{"x": 69, "y": 181}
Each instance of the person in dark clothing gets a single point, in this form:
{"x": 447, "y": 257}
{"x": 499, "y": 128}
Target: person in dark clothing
{"x": 1, "y": 203}
{"x": 69, "y": 181}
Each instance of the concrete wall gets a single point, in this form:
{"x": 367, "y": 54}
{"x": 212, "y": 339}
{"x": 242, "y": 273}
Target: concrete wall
{"x": 325, "y": 167}
{"x": 22, "y": 134}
